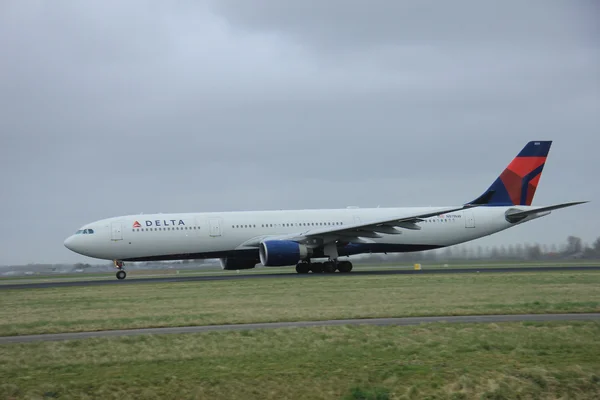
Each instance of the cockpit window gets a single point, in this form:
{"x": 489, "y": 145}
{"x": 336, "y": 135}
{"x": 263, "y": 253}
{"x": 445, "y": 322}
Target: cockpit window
{"x": 84, "y": 232}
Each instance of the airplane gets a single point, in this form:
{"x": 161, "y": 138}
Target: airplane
{"x": 243, "y": 239}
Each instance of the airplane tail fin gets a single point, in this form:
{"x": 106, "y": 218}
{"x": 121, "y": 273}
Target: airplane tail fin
{"x": 517, "y": 184}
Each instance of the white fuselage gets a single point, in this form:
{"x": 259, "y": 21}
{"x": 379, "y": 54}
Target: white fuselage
{"x": 214, "y": 235}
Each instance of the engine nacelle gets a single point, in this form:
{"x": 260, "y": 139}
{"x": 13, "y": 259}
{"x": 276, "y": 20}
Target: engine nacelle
{"x": 230, "y": 263}
{"x": 278, "y": 253}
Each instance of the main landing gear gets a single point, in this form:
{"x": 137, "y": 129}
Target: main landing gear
{"x": 121, "y": 274}
{"x": 327, "y": 267}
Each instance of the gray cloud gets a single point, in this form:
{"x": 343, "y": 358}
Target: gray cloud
{"x": 111, "y": 108}
{"x": 351, "y": 24}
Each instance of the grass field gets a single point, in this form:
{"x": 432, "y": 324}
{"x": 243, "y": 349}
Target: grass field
{"x": 437, "y": 361}
{"x": 316, "y": 298}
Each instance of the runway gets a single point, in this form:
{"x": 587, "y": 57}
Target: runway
{"x": 304, "y": 324}
{"x": 196, "y": 278}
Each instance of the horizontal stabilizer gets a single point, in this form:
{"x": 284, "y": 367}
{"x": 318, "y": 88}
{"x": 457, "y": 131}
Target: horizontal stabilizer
{"x": 516, "y": 215}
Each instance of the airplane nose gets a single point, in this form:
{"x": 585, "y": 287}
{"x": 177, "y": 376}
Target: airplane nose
{"x": 69, "y": 243}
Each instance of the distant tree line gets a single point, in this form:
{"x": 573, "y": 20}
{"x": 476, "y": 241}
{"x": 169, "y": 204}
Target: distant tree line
{"x": 573, "y": 248}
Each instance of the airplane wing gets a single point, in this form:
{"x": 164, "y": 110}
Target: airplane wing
{"x": 358, "y": 232}
{"x": 372, "y": 229}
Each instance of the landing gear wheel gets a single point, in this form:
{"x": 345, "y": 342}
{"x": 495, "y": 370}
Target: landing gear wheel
{"x": 345, "y": 266}
{"x": 121, "y": 274}
{"x": 316, "y": 268}
{"x": 329, "y": 267}
{"x": 302, "y": 268}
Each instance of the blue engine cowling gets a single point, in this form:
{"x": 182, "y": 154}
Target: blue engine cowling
{"x": 278, "y": 253}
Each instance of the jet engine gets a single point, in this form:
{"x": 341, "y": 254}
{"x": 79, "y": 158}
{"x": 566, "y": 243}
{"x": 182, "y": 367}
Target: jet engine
{"x": 233, "y": 263}
{"x": 278, "y": 253}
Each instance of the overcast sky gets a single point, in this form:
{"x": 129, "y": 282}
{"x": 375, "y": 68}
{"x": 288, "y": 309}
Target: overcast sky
{"x": 121, "y": 107}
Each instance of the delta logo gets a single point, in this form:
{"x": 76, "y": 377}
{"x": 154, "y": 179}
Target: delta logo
{"x": 170, "y": 222}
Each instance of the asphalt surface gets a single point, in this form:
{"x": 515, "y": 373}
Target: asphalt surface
{"x": 195, "y": 278}
{"x": 303, "y": 324}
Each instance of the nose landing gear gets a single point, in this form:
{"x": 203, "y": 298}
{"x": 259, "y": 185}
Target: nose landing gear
{"x": 121, "y": 274}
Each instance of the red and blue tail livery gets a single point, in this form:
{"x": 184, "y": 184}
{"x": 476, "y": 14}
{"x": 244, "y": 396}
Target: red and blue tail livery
{"x": 518, "y": 182}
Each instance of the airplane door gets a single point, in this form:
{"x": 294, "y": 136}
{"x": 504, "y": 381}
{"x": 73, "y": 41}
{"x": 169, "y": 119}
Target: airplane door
{"x": 214, "y": 227}
{"x": 469, "y": 219}
{"x": 116, "y": 231}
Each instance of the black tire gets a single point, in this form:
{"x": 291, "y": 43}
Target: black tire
{"x": 121, "y": 274}
{"x": 302, "y": 268}
{"x": 345, "y": 266}
{"x": 329, "y": 267}
{"x": 316, "y": 268}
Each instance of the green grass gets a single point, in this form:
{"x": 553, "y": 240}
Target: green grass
{"x": 436, "y": 361}
{"x": 73, "y": 309}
